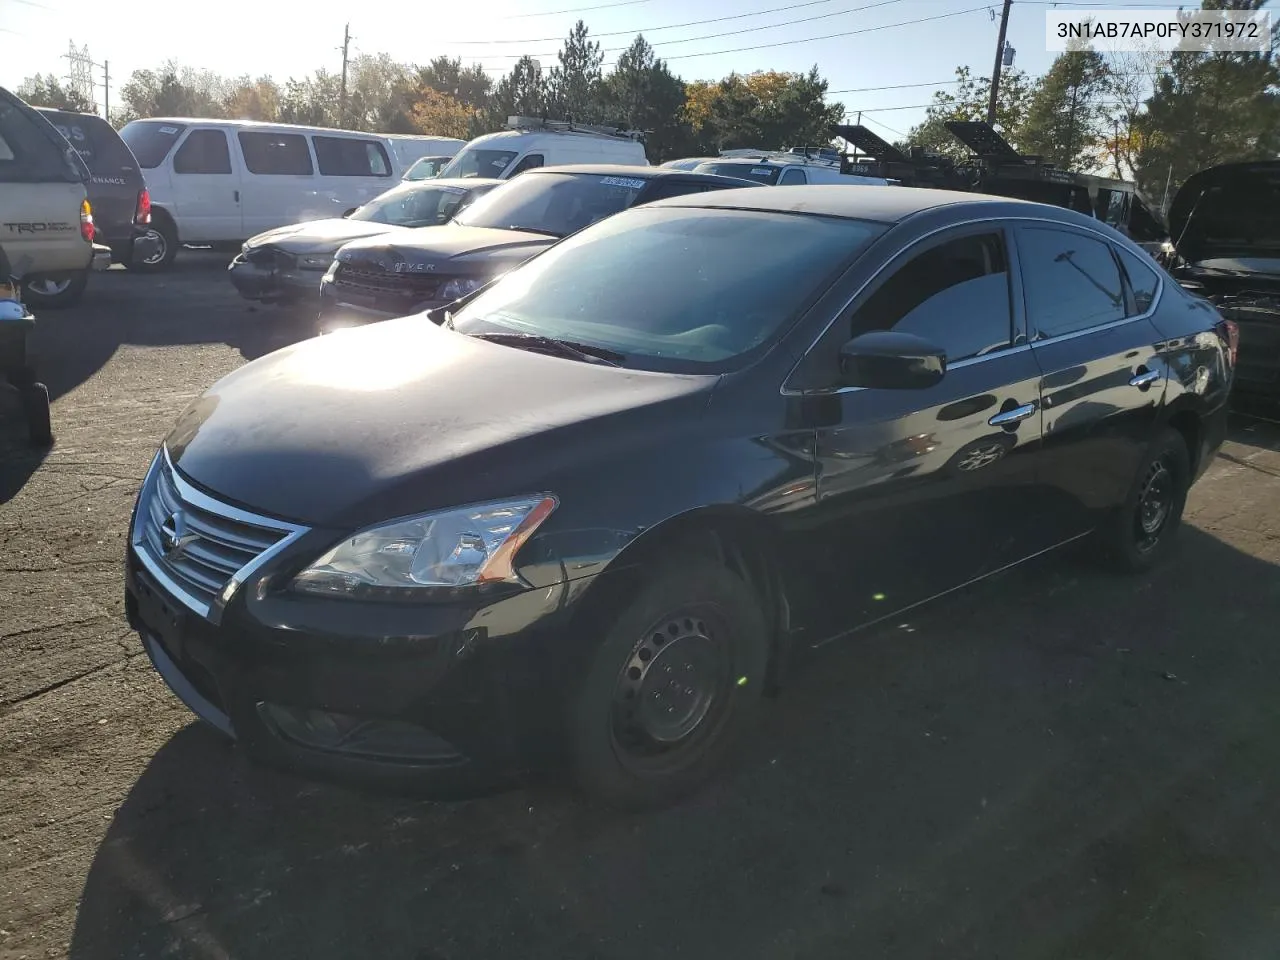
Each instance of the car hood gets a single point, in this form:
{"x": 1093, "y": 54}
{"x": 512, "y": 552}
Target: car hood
{"x": 316, "y": 234}
{"x": 402, "y": 417}
{"x": 1228, "y": 212}
{"x": 430, "y": 249}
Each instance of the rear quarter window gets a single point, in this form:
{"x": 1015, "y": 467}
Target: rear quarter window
{"x": 346, "y": 157}
{"x": 101, "y": 148}
{"x": 29, "y": 151}
{"x": 276, "y": 154}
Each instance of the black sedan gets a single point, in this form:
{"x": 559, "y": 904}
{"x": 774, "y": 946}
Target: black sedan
{"x": 285, "y": 265}
{"x": 383, "y": 277}
{"x": 592, "y": 516}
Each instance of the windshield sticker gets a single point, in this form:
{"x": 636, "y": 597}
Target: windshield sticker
{"x": 498, "y": 163}
{"x": 764, "y": 171}
{"x": 453, "y": 190}
{"x": 169, "y": 130}
{"x": 622, "y": 182}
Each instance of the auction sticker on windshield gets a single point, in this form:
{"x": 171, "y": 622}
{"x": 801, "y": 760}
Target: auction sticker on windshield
{"x": 622, "y": 182}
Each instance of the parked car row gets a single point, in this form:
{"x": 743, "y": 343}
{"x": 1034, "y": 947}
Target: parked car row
{"x": 588, "y": 515}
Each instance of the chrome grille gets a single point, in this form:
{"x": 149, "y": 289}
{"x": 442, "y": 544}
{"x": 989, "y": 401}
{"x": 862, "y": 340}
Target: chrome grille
{"x": 408, "y": 285}
{"x": 195, "y": 544}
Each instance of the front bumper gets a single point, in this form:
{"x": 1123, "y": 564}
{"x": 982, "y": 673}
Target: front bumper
{"x": 437, "y": 697}
{"x": 339, "y": 302}
{"x": 270, "y": 283}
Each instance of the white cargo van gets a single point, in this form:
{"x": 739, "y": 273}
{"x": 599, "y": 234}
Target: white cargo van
{"x": 219, "y": 181}
{"x": 782, "y": 169}
{"x": 407, "y": 149}
{"x": 529, "y": 143}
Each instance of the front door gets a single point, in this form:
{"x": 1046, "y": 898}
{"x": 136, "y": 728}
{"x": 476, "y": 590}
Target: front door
{"x": 1103, "y": 375}
{"x": 206, "y": 187}
{"x": 919, "y": 491}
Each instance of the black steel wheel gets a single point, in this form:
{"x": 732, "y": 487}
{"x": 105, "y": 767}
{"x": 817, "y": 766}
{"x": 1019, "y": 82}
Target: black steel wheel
{"x": 1143, "y": 530}
{"x": 670, "y": 688}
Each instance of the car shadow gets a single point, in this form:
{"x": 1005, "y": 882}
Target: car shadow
{"x": 1054, "y": 763}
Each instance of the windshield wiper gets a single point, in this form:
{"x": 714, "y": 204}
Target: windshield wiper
{"x": 543, "y": 233}
{"x": 565, "y": 348}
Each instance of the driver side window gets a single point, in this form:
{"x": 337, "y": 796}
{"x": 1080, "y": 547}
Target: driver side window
{"x": 955, "y": 295}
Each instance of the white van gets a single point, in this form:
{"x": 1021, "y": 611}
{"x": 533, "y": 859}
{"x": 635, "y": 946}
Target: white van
{"x": 219, "y": 181}
{"x": 529, "y": 143}
{"x": 782, "y": 169}
{"x": 407, "y": 149}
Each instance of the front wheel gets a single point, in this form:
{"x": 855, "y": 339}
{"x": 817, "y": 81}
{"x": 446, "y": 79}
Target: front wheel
{"x": 1143, "y": 530}
{"x": 54, "y": 290}
{"x": 671, "y": 687}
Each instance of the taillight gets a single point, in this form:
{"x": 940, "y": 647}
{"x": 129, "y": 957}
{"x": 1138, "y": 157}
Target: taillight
{"x": 1229, "y": 331}
{"x": 142, "y": 216}
{"x": 86, "y": 221}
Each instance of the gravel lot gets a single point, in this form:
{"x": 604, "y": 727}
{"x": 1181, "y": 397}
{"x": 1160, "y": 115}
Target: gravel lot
{"x": 1052, "y": 765}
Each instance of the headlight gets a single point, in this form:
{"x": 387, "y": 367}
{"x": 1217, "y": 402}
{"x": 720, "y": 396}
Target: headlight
{"x": 451, "y": 548}
{"x": 316, "y": 261}
{"x": 460, "y": 287}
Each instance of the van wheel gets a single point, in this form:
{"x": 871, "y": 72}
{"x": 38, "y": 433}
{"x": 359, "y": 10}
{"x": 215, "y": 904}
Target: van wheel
{"x": 1142, "y": 532}
{"x": 165, "y": 234}
{"x": 672, "y": 686}
{"x": 54, "y": 290}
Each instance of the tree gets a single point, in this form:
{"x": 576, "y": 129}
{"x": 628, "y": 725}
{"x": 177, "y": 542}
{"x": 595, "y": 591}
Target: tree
{"x": 312, "y": 101}
{"x": 380, "y": 95}
{"x": 642, "y": 94}
{"x": 469, "y": 86}
{"x": 46, "y": 91}
{"x": 969, "y": 102}
{"x": 573, "y": 87}
{"x": 173, "y": 91}
{"x": 439, "y": 115}
{"x": 522, "y": 92}
{"x": 1067, "y": 117}
{"x": 252, "y": 99}
{"x": 1131, "y": 76}
{"x": 766, "y": 109}
{"x": 1209, "y": 108}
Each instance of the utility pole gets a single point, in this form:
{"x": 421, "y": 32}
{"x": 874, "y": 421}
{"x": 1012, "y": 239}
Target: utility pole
{"x": 106, "y": 90}
{"x": 995, "y": 72}
{"x": 342, "y": 103}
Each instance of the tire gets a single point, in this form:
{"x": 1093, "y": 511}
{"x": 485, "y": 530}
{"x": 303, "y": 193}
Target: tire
{"x": 163, "y": 229}
{"x": 51, "y": 291}
{"x": 1130, "y": 543}
{"x": 713, "y": 629}
{"x": 35, "y": 405}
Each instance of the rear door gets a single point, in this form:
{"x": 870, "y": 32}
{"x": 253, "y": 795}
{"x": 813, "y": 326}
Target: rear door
{"x": 115, "y": 179}
{"x": 1103, "y": 378}
{"x": 206, "y": 187}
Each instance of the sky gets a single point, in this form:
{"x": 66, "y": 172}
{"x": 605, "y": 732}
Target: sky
{"x": 891, "y": 57}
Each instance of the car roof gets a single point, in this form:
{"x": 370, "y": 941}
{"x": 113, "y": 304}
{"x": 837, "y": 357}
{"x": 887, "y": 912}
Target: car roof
{"x": 854, "y": 201}
{"x": 466, "y": 183}
{"x": 637, "y": 173}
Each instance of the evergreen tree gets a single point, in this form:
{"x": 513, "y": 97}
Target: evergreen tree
{"x": 573, "y": 87}
{"x": 1067, "y": 116}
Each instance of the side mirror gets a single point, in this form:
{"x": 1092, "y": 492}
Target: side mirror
{"x": 885, "y": 360}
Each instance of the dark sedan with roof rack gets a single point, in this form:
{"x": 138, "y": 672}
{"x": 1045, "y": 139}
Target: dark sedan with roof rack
{"x": 382, "y": 277}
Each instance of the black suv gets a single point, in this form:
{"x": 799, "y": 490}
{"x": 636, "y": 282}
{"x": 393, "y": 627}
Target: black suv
{"x": 393, "y": 276}
{"x": 117, "y": 193}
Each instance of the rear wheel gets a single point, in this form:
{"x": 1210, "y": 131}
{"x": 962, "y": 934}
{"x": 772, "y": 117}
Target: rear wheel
{"x": 672, "y": 686}
{"x": 165, "y": 235}
{"x": 53, "y": 290}
{"x": 1142, "y": 532}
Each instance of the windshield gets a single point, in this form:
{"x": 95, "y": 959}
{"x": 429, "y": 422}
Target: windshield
{"x": 675, "y": 289}
{"x": 474, "y": 162}
{"x": 151, "y": 140}
{"x": 414, "y": 205}
{"x": 743, "y": 171}
{"x": 425, "y": 168}
{"x": 553, "y": 203}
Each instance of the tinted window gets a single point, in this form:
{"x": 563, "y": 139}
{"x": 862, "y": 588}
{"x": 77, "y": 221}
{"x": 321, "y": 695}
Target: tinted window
{"x": 1071, "y": 282}
{"x": 743, "y": 171}
{"x": 478, "y": 163}
{"x": 92, "y": 137}
{"x": 276, "y": 154}
{"x": 1143, "y": 279}
{"x": 792, "y": 177}
{"x": 204, "y": 151}
{"x": 342, "y": 157}
{"x": 553, "y": 203}
{"x": 415, "y": 205}
{"x": 151, "y": 140}
{"x": 955, "y": 295}
{"x": 528, "y": 163}
{"x": 673, "y": 288}
{"x": 426, "y": 168}
{"x": 667, "y": 187}
{"x": 30, "y": 152}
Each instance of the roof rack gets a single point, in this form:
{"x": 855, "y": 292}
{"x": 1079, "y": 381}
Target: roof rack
{"x": 792, "y": 156}
{"x": 568, "y": 126}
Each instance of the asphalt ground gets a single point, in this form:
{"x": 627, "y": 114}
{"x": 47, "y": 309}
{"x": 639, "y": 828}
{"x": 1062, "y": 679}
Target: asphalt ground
{"x": 1053, "y": 764}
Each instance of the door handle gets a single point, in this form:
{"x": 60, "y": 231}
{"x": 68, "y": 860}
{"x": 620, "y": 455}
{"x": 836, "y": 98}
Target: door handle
{"x": 237, "y": 196}
{"x": 1144, "y": 379}
{"x": 1016, "y": 415}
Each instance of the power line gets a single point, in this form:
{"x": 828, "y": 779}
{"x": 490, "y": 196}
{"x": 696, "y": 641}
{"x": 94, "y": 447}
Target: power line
{"x": 556, "y": 13}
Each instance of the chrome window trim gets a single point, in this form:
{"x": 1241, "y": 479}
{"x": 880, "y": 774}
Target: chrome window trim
{"x": 786, "y": 391}
{"x": 189, "y": 494}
